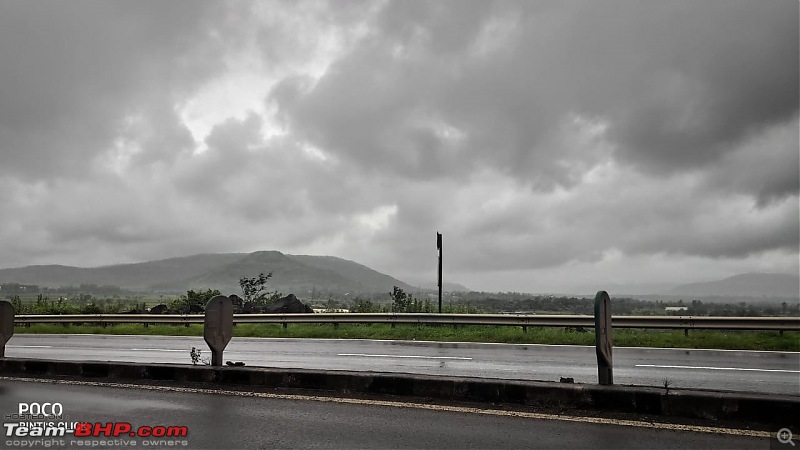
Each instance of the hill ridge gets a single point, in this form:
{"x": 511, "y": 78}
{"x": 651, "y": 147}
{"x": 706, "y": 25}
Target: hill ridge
{"x": 759, "y": 284}
{"x": 298, "y": 274}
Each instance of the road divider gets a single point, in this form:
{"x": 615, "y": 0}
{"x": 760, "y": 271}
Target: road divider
{"x": 686, "y": 403}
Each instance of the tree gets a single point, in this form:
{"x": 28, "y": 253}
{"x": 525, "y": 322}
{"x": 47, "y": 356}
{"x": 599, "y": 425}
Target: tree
{"x": 255, "y": 289}
{"x": 197, "y": 300}
{"x": 192, "y": 302}
{"x": 361, "y": 305}
{"x": 400, "y": 300}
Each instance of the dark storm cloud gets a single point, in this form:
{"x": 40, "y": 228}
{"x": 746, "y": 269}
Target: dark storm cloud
{"x": 679, "y": 85}
{"x": 767, "y": 165}
{"x": 72, "y": 72}
{"x": 705, "y": 76}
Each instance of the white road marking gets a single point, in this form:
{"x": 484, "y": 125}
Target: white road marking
{"x": 154, "y": 350}
{"x": 365, "y": 355}
{"x": 656, "y": 366}
{"x": 100, "y": 348}
{"x": 29, "y": 346}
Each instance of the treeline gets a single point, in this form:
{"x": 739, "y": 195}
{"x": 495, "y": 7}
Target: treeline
{"x": 403, "y": 302}
{"x": 519, "y": 303}
{"x": 505, "y": 303}
{"x": 192, "y": 302}
{"x": 79, "y": 304}
{"x": 11, "y": 289}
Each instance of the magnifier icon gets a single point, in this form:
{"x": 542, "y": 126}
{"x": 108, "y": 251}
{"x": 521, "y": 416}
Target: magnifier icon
{"x": 785, "y": 436}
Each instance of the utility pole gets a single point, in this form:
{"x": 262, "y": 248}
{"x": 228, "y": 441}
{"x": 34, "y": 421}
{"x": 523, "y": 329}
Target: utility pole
{"x": 439, "y": 246}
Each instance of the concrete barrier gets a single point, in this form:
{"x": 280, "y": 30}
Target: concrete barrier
{"x": 716, "y": 405}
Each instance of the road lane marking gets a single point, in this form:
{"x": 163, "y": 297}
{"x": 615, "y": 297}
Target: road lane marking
{"x": 424, "y": 406}
{"x": 99, "y": 348}
{"x": 366, "y": 355}
{"x": 154, "y": 350}
{"x": 657, "y": 366}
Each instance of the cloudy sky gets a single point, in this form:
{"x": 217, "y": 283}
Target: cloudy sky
{"x": 557, "y": 145}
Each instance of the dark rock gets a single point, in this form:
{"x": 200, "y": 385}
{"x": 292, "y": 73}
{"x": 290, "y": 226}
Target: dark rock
{"x": 236, "y": 300}
{"x": 158, "y": 309}
{"x": 567, "y": 380}
{"x": 288, "y": 304}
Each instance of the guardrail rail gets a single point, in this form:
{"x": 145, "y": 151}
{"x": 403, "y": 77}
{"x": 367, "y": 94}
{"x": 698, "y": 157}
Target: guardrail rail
{"x": 517, "y": 320}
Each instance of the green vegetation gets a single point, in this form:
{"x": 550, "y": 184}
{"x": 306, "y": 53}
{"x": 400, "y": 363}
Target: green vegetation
{"x": 403, "y": 302}
{"x": 197, "y": 357}
{"x": 192, "y": 302}
{"x": 76, "y": 304}
{"x": 741, "y": 340}
{"x": 255, "y": 290}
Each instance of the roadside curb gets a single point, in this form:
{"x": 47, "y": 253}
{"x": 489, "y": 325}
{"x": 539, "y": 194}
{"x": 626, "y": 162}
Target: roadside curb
{"x": 695, "y": 404}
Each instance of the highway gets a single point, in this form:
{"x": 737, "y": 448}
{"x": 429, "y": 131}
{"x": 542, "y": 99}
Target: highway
{"x": 742, "y": 371}
{"x": 261, "y": 420}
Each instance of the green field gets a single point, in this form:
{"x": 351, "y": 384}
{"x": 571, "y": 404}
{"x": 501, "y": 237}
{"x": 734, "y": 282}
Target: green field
{"x": 732, "y": 340}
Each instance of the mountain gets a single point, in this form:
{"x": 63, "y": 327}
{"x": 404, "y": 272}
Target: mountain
{"x": 780, "y": 285}
{"x": 138, "y": 276}
{"x": 368, "y": 279}
{"x": 447, "y": 286}
{"x": 298, "y": 274}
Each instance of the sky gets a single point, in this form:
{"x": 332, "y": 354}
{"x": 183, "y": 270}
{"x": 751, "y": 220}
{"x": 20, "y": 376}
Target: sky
{"x": 558, "y": 146}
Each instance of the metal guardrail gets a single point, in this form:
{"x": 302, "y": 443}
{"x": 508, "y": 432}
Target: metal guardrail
{"x": 518, "y": 320}
{"x": 219, "y": 319}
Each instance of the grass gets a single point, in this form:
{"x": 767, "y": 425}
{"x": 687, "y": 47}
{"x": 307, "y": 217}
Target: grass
{"x": 731, "y": 340}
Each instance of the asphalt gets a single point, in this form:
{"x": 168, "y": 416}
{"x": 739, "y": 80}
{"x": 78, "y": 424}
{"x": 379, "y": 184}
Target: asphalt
{"x": 228, "y": 420}
{"x": 775, "y": 373}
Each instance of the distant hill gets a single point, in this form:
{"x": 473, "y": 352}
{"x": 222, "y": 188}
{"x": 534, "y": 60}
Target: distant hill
{"x": 367, "y": 278}
{"x": 138, "y": 276}
{"x": 298, "y": 274}
{"x": 780, "y": 285}
{"x": 447, "y": 286}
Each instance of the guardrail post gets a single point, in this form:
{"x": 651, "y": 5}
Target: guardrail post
{"x": 6, "y": 325}
{"x": 439, "y": 247}
{"x": 218, "y": 326}
{"x": 602, "y": 338}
